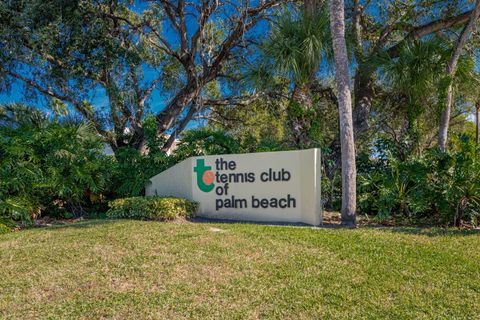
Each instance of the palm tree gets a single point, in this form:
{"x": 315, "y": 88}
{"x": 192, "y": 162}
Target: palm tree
{"x": 406, "y": 79}
{"x": 450, "y": 73}
{"x": 413, "y": 87}
{"x": 17, "y": 114}
{"x": 296, "y": 45}
{"x": 337, "y": 25}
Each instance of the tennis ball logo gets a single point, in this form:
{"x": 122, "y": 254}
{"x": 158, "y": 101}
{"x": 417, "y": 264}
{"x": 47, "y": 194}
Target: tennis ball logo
{"x": 205, "y": 176}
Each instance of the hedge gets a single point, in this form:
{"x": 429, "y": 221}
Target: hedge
{"x": 151, "y": 208}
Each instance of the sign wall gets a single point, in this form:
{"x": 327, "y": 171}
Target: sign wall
{"x": 268, "y": 186}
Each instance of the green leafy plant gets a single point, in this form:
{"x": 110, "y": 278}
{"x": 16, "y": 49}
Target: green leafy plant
{"x": 151, "y": 208}
{"x": 442, "y": 186}
{"x": 4, "y": 229}
{"x": 48, "y": 165}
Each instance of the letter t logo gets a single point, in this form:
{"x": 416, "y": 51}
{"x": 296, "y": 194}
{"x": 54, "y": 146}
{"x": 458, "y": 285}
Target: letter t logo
{"x": 205, "y": 176}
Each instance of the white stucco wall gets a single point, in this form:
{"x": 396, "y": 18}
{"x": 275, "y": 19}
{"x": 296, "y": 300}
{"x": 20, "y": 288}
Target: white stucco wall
{"x": 301, "y": 192}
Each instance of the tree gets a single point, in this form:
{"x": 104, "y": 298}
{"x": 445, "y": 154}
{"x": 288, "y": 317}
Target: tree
{"x": 256, "y": 120}
{"x": 477, "y": 122}
{"x": 450, "y": 73}
{"x": 66, "y": 50}
{"x": 296, "y": 45}
{"x": 382, "y": 28}
{"x": 337, "y": 25}
{"x": 410, "y": 90}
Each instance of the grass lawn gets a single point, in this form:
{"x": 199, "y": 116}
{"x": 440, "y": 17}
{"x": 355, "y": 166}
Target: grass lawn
{"x": 154, "y": 270}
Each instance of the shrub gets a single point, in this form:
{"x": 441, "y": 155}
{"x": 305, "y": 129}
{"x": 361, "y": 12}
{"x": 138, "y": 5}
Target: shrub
{"x": 47, "y": 165}
{"x": 4, "y": 229}
{"x": 207, "y": 141}
{"x": 444, "y": 186}
{"x": 151, "y": 208}
{"x": 131, "y": 170}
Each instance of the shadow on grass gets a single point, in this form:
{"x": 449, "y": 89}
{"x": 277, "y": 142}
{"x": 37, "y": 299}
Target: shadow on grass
{"x": 77, "y": 225}
{"x": 262, "y": 223}
{"x": 429, "y": 232}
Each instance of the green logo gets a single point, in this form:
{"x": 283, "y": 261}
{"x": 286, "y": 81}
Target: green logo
{"x": 205, "y": 176}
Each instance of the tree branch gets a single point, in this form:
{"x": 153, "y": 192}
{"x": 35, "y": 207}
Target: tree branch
{"x": 79, "y": 106}
{"x": 432, "y": 27}
{"x": 238, "y": 101}
{"x": 180, "y": 127}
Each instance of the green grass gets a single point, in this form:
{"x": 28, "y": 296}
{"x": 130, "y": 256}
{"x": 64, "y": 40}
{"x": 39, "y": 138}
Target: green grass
{"x": 154, "y": 270}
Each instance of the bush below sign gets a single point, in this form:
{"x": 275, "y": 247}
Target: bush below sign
{"x": 151, "y": 208}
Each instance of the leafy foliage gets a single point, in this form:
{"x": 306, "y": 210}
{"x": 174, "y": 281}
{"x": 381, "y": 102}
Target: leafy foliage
{"x": 4, "y": 229}
{"x": 298, "y": 45}
{"x": 298, "y": 42}
{"x": 263, "y": 119}
{"x": 65, "y": 50}
{"x": 444, "y": 187}
{"x": 206, "y": 141}
{"x": 409, "y": 110}
{"x": 151, "y": 208}
{"x": 48, "y": 165}
{"x": 131, "y": 169}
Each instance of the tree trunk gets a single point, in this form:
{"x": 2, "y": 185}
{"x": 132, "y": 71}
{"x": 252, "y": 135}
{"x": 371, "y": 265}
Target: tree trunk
{"x": 363, "y": 92}
{"x": 337, "y": 23}
{"x": 302, "y": 95}
{"x": 450, "y": 73}
{"x": 181, "y": 126}
{"x": 477, "y": 122}
{"x": 310, "y": 7}
{"x": 166, "y": 118}
{"x": 298, "y": 123}
{"x": 445, "y": 119}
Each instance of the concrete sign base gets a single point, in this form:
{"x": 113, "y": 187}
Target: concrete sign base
{"x": 269, "y": 186}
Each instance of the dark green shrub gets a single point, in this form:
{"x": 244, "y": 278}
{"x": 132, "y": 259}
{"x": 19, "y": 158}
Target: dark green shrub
{"x": 208, "y": 141}
{"x": 454, "y": 182}
{"x": 441, "y": 186}
{"x": 151, "y": 208}
{"x": 131, "y": 171}
{"x": 48, "y": 166}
